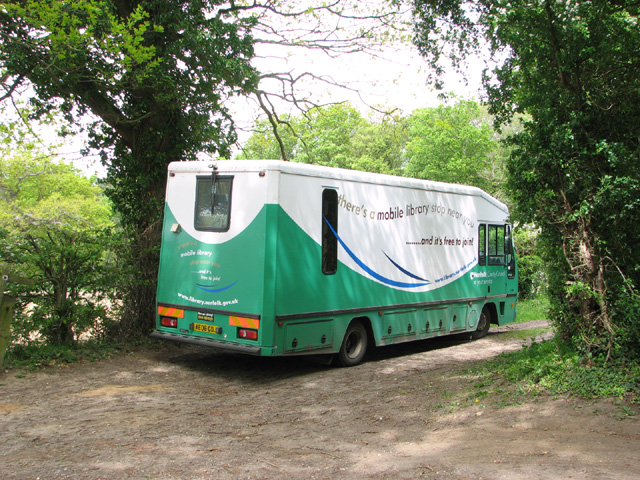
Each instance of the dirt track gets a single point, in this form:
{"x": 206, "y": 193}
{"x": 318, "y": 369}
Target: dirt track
{"x": 408, "y": 412}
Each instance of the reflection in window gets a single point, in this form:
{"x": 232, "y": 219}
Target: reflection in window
{"x": 511, "y": 254}
{"x": 482, "y": 244}
{"x": 329, "y": 240}
{"x": 213, "y": 205}
{"x": 496, "y": 244}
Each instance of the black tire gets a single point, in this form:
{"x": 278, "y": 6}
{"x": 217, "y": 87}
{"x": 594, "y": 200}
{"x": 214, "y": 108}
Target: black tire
{"x": 483, "y": 325}
{"x": 354, "y": 346}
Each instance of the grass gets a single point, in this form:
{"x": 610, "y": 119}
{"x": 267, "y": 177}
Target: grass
{"x": 525, "y": 334}
{"x": 533, "y": 309}
{"x": 554, "y": 367}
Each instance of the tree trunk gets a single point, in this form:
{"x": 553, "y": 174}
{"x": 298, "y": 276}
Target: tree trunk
{"x": 587, "y": 269}
{"x": 138, "y": 315}
{"x": 6, "y": 315}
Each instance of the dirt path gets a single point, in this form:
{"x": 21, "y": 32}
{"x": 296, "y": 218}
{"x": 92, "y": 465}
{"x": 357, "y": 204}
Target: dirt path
{"x": 408, "y": 412}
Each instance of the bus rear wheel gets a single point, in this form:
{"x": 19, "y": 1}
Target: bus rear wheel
{"x": 354, "y": 346}
{"x": 483, "y": 325}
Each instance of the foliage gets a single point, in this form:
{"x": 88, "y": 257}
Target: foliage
{"x": 263, "y": 145}
{"x": 36, "y": 355}
{"x": 553, "y": 366}
{"x": 325, "y": 139}
{"x": 154, "y": 75}
{"x": 532, "y": 278}
{"x": 450, "y": 144}
{"x": 574, "y": 169}
{"x": 336, "y": 136}
{"x": 56, "y": 229}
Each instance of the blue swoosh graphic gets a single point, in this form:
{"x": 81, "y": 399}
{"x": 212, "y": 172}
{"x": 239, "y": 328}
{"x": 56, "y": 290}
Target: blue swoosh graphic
{"x": 375, "y": 275}
{"x": 406, "y": 272}
{"x": 212, "y": 289}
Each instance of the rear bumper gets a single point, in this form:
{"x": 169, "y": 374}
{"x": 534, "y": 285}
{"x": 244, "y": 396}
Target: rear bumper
{"x": 205, "y": 342}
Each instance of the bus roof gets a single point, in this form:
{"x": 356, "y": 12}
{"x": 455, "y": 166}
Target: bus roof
{"x": 320, "y": 171}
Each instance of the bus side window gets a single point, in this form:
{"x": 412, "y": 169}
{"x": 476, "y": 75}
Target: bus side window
{"x": 496, "y": 244}
{"x": 329, "y": 239}
{"x": 482, "y": 244}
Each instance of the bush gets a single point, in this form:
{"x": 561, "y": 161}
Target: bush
{"x": 57, "y": 230}
{"x": 559, "y": 368}
{"x": 34, "y": 356}
{"x": 532, "y": 278}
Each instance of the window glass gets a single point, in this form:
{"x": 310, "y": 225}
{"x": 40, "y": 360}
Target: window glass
{"x": 329, "y": 239}
{"x": 213, "y": 205}
{"x": 496, "y": 244}
{"x": 482, "y": 244}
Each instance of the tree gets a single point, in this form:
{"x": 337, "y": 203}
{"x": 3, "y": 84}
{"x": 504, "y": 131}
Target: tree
{"x": 378, "y": 144}
{"x": 336, "y": 136}
{"x": 450, "y": 143}
{"x": 326, "y": 136}
{"x": 155, "y": 75}
{"x": 573, "y": 68}
{"x": 288, "y": 31}
{"x": 531, "y": 268}
{"x": 263, "y": 144}
{"x": 55, "y": 226}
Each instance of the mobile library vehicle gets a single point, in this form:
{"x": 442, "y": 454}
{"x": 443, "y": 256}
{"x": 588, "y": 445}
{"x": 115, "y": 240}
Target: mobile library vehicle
{"x": 277, "y": 258}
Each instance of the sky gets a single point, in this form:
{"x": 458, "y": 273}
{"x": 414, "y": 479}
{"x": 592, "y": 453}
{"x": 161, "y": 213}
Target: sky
{"x": 397, "y": 78}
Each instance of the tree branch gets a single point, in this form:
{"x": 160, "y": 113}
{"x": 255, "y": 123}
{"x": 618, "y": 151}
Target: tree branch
{"x": 11, "y": 89}
{"x": 274, "y": 121}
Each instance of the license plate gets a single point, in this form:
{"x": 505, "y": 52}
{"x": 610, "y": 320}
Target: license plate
{"x": 201, "y": 327}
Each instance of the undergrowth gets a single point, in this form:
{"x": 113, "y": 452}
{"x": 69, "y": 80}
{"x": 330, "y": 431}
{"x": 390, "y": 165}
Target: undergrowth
{"x": 36, "y": 355}
{"x": 556, "y": 368}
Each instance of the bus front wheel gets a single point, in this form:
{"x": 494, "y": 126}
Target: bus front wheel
{"x": 483, "y": 325}
{"x": 354, "y": 346}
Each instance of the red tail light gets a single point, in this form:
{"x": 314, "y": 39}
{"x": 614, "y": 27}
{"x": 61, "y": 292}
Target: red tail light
{"x": 247, "y": 334}
{"x": 169, "y": 322}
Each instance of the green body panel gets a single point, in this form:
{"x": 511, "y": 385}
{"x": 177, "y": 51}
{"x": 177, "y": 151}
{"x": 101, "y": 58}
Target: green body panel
{"x": 228, "y": 276}
{"x": 271, "y": 272}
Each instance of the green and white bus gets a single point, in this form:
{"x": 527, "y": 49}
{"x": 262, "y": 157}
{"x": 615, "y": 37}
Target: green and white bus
{"x": 277, "y": 258}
